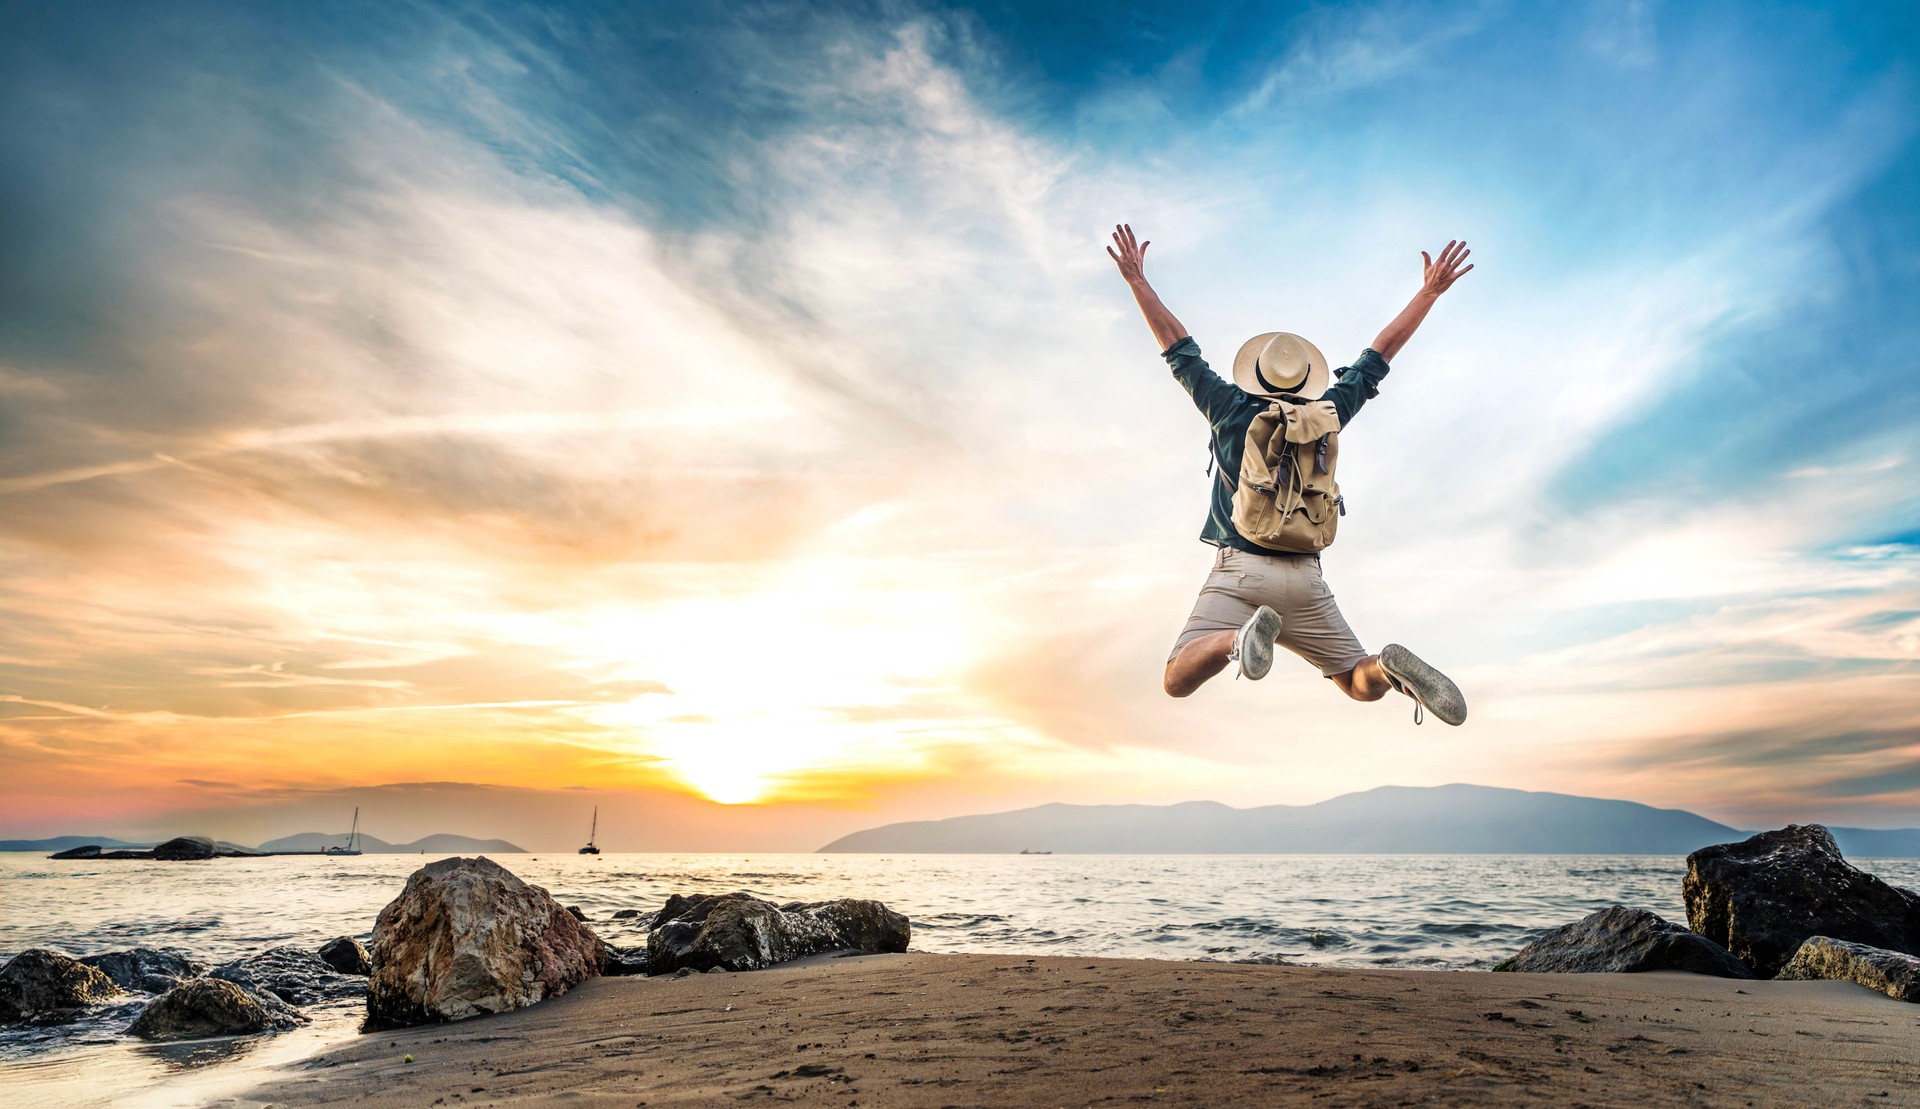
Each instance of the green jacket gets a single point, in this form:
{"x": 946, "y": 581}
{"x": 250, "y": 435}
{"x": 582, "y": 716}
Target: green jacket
{"x": 1229, "y": 411}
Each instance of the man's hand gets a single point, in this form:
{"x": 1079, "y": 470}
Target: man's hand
{"x": 1435, "y": 278}
{"x": 1438, "y": 277}
{"x": 1130, "y": 255}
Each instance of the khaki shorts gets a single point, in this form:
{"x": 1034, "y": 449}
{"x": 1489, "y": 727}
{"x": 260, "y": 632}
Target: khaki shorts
{"x": 1310, "y": 622}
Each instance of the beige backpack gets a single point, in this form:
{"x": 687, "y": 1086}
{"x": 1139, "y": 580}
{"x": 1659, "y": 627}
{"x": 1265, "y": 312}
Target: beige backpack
{"x": 1286, "y": 499}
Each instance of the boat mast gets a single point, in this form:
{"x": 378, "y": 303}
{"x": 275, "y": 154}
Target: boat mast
{"x": 354, "y": 834}
{"x": 595, "y": 832}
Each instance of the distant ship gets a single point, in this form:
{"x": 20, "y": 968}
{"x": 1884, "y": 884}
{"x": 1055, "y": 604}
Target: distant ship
{"x": 1030, "y": 851}
{"x": 590, "y": 849}
{"x": 353, "y": 838}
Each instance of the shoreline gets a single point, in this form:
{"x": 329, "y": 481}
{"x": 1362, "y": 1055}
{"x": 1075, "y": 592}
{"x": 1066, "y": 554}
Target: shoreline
{"x": 938, "y": 1029}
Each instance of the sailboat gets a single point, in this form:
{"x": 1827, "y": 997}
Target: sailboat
{"x": 353, "y": 838}
{"x": 590, "y": 849}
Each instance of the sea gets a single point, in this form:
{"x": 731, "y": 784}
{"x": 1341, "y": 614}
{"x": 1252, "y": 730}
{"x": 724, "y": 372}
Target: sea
{"x": 1426, "y": 912}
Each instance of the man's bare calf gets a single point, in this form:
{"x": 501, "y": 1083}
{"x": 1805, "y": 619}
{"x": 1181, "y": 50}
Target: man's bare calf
{"x": 1208, "y": 655}
{"x": 1199, "y": 660}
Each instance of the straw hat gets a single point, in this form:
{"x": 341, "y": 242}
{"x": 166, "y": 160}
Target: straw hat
{"x": 1276, "y": 363}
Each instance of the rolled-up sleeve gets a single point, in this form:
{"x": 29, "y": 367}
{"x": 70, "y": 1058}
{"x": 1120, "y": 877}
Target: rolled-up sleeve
{"x": 1357, "y": 384}
{"x": 1214, "y": 397}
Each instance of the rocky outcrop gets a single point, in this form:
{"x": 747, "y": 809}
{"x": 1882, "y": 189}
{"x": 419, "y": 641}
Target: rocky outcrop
{"x": 575, "y": 912}
{"x": 466, "y": 937}
{"x": 45, "y": 987}
{"x": 212, "y": 1007}
{"x": 1893, "y": 973}
{"x": 346, "y": 955}
{"x": 294, "y": 976}
{"x": 626, "y": 914}
{"x": 186, "y": 847}
{"x": 1763, "y": 897}
{"x": 178, "y": 849}
{"x": 146, "y": 969}
{"x": 737, "y": 931}
{"x": 1619, "y": 939}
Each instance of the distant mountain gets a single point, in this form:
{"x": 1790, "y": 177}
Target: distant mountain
{"x": 442, "y": 844}
{"x": 1878, "y": 843}
{"x": 1440, "y": 820}
{"x": 65, "y": 843}
{"x": 447, "y": 844}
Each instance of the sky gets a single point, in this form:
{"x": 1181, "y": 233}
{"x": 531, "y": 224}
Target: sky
{"x": 727, "y": 415}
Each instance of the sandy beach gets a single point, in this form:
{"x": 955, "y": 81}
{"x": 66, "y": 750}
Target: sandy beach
{"x": 961, "y": 1030}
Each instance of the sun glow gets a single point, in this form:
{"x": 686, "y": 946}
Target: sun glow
{"x": 816, "y": 673}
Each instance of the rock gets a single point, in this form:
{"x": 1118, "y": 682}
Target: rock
{"x": 466, "y": 937}
{"x": 676, "y": 905}
{"x": 623, "y": 961}
{"x": 1619, "y": 939}
{"x": 212, "y": 1007}
{"x": 1893, "y": 973}
{"x": 45, "y": 987}
{"x": 741, "y": 932}
{"x": 294, "y": 976}
{"x": 146, "y": 969}
{"x": 186, "y": 847}
{"x": 626, "y": 914}
{"x": 346, "y": 955}
{"x": 574, "y": 911}
{"x": 84, "y": 851}
{"x": 1765, "y": 896}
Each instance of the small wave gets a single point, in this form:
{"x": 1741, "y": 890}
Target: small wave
{"x": 958, "y": 920}
{"x": 1464, "y": 928}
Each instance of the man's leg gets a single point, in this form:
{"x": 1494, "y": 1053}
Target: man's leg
{"x": 1193, "y": 664}
{"x": 1231, "y": 596}
{"x": 1367, "y": 681}
{"x": 1316, "y": 631}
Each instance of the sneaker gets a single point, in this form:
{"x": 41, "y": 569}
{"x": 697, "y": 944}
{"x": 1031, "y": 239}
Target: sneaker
{"x": 1429, "y": 688}
{"x": 1253, "y": 646}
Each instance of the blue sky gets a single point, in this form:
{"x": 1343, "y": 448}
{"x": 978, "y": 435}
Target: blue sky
{"x": 522, "y": 289}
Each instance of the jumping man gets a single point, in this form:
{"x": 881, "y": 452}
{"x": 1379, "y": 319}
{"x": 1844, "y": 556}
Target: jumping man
{"x": 1275, "y": 441}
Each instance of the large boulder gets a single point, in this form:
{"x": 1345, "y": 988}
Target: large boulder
{"x": 1619, "y": 939}
{"x": 737, "y": 931}
{"x": 465, "y": 938}
{"x": 1763, "y": 897}
{"x": 212, "y": 1007}
{"x": 45, "y": 987}
{"x": 294, "y": 976}
{"x": 346, "y": 955}
{"x": 1893, "y": 973}
{"x": 146, "y": 969}
{"x": 186, "y": 847}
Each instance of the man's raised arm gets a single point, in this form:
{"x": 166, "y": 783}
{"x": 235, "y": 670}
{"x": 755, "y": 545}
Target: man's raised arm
{"x": 1130, "y": 255}
{"x": 1437, "y": 278}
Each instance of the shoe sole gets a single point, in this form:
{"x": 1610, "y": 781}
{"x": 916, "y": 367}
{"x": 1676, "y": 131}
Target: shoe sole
{"x": 1253, "y": 646}
{"x": 1433, "y": 689}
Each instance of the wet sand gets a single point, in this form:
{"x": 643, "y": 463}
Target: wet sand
{"x": 999, "y": 1030}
